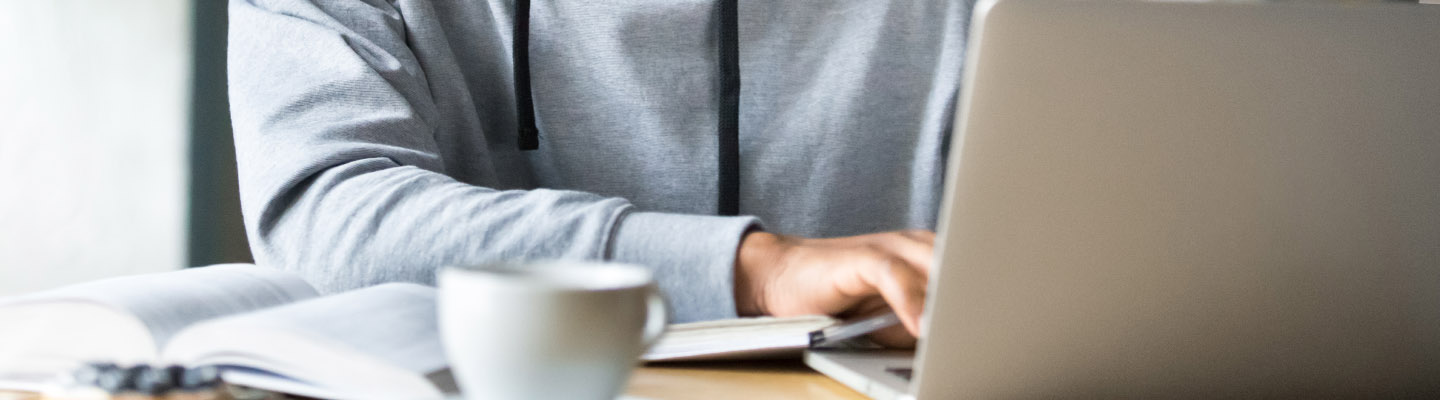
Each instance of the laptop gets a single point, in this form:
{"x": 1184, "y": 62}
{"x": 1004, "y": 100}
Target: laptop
{"x": 1184, "y": 199}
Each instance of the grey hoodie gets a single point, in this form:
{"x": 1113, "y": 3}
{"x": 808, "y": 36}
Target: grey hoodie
{"x": 378, "y": 140}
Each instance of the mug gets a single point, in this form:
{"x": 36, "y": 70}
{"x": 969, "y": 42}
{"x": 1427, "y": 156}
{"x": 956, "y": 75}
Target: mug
{"x": 551, "y": 330}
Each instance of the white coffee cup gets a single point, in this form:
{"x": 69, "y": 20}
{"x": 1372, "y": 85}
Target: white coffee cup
{"x": 553, "y": 330}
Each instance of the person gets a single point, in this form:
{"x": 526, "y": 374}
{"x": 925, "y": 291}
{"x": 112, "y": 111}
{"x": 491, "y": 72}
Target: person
{"x": 760, "y": 157}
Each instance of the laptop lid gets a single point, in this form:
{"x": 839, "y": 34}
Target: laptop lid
{"x": 1191, "y": 198}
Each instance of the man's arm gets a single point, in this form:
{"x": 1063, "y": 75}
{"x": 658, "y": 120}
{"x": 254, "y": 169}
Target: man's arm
{"x": 341, "y": 179}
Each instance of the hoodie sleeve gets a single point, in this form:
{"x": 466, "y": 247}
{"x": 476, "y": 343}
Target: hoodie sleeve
{"x": 341, "y": 180}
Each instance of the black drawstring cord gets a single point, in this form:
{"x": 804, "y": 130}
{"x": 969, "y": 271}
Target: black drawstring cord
{"x": 529, "y": 135}
{"x": 729, "y": 121}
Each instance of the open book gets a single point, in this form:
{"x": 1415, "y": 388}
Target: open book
{"x": 266, "y": 328}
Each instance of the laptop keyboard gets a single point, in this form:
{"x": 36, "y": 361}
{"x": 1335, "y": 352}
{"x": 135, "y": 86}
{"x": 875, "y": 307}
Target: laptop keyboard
{"x": 902, "y": 372}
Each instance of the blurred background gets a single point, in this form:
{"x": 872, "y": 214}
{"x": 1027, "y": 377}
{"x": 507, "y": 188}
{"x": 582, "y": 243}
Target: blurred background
{"x": 115, "y": 148}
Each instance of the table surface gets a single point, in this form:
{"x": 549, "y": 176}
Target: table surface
{"x": 718, "y": 380}
{"x": 736, "y": 380}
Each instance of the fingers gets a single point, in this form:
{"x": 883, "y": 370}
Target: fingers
{"x": 916, "y": 247}
{"x": 895, "y": 337}
{"x": 849, "y": 275}
{"x": 903, "y": 287}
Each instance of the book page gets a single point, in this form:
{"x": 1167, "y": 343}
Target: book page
{"x": 40, "y": 341}
{"x": 381, "y": 339}
{"x": 167, "y": 302}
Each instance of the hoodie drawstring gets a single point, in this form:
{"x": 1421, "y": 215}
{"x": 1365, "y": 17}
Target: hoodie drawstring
{"x": 727, "y": 123}
{"x": 529, "y": 135}
{"x": 729, "y": 119}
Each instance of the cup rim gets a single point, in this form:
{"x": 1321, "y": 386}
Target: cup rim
{"x": 598, "y": 275}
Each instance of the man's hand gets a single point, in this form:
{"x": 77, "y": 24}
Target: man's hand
{"x": 850, "y": 276}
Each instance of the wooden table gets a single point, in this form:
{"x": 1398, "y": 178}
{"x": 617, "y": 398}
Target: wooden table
{"x": 720, "y": 380}
{"x": 736, "y": 380}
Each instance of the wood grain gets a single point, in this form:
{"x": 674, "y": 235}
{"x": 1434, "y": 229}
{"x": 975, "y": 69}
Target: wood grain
{"x": 736, "y": 380}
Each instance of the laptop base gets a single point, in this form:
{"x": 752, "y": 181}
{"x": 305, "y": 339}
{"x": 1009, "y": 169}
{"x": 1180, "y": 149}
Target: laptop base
{"x": 879, "y": 374}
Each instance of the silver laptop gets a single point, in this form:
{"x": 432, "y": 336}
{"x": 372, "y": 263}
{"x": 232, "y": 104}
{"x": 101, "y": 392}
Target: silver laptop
{"x": 1185, "y": 199}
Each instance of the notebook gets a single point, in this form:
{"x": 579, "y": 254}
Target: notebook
{"x": 264, "y": 327}
{"x": 733, "y": 339}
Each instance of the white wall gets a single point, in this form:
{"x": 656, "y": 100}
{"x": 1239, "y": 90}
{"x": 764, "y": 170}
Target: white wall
{"x": 92, "y": 139}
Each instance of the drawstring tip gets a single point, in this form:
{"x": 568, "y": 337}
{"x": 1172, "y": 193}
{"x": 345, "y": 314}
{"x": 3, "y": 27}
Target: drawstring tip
{"x": 529, "y": 138}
